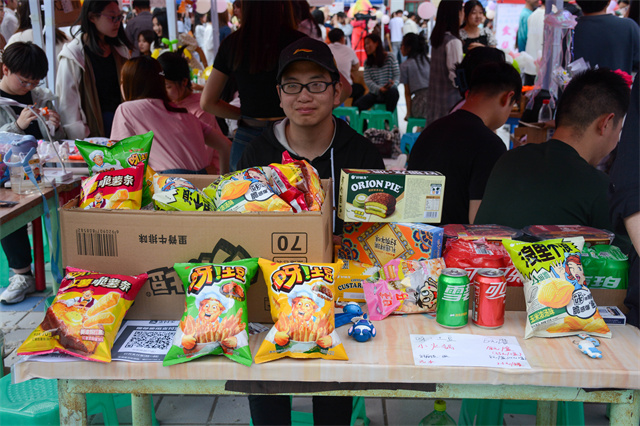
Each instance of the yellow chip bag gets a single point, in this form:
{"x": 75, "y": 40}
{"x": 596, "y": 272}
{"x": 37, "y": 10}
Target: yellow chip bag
{"x": 173, "y": 193}
{"x": 302, "y": 298}
{"x": 558, "y": 300}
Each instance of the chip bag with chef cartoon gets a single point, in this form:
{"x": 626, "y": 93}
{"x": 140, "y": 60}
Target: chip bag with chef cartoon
{"x": 177, "y": 194}
{"x": 558, "y": 300}
{"x": 128, "y": 152}
{"x": 115, "y": 189}
{"x": 85, "y": 315}
{"x": 302, "y": 299}
{"x": 215, "y": 318}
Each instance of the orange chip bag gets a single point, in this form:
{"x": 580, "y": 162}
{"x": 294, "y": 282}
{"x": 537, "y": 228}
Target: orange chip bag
{"x": 85, "y": 315}
{"x": 302, "y": 306}
{"x": 115, "y": 189}
{"x": 558, "y": 300}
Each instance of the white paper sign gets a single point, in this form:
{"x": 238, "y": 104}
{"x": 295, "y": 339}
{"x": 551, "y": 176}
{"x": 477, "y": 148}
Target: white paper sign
{"x": 506, "y": 25}
{"x": 467, "y": 350}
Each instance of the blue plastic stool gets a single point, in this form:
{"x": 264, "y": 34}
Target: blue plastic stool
{"x": 415, "y": 122}
{"x": 35, "y": 402}
{"x": 301, "y": 418}
{"x": 352, "y": 114}
{"x": 491, "y": 412}
{"x": 407, "y": 141}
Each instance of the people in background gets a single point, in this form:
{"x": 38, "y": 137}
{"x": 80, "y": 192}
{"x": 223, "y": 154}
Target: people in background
{"x": 521, "y": 37}
{"x": 9, "y": 24}
{"x": 88, "y": 79}
{"x": 141, "y": 22}
{"x": 411, "y": 24}
{"x": 179, "y": 137}
{"x": 471, "y": 34}
{"x": 161, "y": 28}
{"x": 305, "y": 20}
{"x": 381, "y": 75}
{"x": 145, "y": 41}
{"x": 414, "y": 74}
{"x": 346, "y": 60}
{"x": 395, "y": 34}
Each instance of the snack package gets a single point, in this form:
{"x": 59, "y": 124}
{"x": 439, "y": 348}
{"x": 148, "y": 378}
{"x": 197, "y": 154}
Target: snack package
{"x": 115, "y": 189}
{"x": 128, "y": 152}
{"x": 302, "y": 297}
{"x": 177, "y": 194}
{"x": 605, "y": 266}
{"x": 381, "y": 299}
{"x": 418, "y": 280}
{"x": 215, "y": 317}
{"x": 349, "y": 280}
{"x": 285, "y": 180}
{"x": 303, "y": 176}
{"x": 245, "y": 191}
{"x": 473, "y": 255}
{"x": 85, "y": 315}
{"x": 558, "y": 300}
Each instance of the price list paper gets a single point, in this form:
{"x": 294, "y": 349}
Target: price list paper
{"x": 467, "y": 350}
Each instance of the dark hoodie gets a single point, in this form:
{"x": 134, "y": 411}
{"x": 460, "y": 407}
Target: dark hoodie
{"x": 348, "y": 150}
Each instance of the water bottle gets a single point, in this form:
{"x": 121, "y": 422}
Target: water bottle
{"x": 20, "y": 182}
{"x": 439, "y": 415}
{"x": 546, "y": 114}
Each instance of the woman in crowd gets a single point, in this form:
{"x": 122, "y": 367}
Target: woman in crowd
{"x": 305, "y": 20}
{"x": 145, "y": 41}
{"x": 447, "y": 52}
{"x": 251, "y": 56}
{"x": 179, "y": 137}
{"x": 96, "y": 54}
{"x": 381, "y": 75}
{"x": 178, "y": 85}
{"x": 414, "y": 74}
{"x": 471, "y": 34}
{"x": 161, "y": 28}
{"x": 223, "y": 25}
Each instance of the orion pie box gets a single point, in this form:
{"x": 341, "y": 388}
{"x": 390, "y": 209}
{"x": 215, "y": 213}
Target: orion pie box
{"x": 378, "y": 243}
{"x": 390, "y": 196}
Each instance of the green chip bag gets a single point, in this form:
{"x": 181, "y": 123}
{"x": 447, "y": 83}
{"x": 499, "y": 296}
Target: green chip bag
{"x": 605, "y": 266}
{"x": 128, "y": 152}
{"x": 173, "y": 193}
{"x": 215, "y": 317}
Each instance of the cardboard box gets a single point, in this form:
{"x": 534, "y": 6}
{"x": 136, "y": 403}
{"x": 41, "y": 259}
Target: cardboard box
{"x": 378, "y": 243}
{"x": 390, "y": 196}
{"x": 612, "y": 315}
{"x": 137, "y": 241}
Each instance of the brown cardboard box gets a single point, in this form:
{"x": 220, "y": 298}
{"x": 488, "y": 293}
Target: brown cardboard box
{"x": 534, "y": 135}
{"x": 137, "y": 241}
{"x": 603, "y": 297}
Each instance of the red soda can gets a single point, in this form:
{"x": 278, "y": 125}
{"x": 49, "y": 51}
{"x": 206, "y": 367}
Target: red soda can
{"x": 489, "y": 298}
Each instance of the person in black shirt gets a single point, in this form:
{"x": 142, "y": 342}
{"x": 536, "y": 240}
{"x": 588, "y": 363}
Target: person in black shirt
{"x": 463, "y": 146}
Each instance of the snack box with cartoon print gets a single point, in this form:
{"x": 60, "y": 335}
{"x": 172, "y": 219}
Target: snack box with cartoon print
{"x": 378, "y": 243}
{"x": 390, "y": 196}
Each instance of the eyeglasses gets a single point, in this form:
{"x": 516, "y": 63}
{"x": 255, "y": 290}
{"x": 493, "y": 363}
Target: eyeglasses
{"x": 313, "y": 87}
{"x": 26, "y": 83}
{"x": 115, "y": 19}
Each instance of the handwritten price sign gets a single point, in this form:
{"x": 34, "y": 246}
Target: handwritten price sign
{"x": 467, "y": 350}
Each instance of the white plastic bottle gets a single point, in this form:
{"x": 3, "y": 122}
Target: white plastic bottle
{"x": 439, "y": 415}
{"x": 20, "y": 182}
{"x": 546, "y": 114}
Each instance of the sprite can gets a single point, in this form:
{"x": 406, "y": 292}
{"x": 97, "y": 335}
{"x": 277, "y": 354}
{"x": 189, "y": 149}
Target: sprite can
{"x": 453, "y": 298}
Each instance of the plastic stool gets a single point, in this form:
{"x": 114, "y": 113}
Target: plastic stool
{"x": 301, "y": 418}
{"x": 383, "y": 107}
{"x": 351, "y": 113}
{"x": 407, "y": 141}
{"x": 415, "y": 122}
{"x": 487, "y": 412}
{"x": 35, "y": 402}
{"x": 376, "y": 119}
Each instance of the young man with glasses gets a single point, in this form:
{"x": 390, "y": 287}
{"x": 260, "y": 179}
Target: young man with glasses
{"x": 25, "y": 64}
{"x": 309, "y": 88}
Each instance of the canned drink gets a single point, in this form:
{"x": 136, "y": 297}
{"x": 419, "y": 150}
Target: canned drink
{"x": 452, "y": 309}
{"x": 489, "y": 298}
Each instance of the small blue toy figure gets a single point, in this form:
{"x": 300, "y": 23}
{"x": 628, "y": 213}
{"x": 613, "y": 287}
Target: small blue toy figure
{"x": 362, "y": 329}
{"x": 588, "y": 346}
{"x": 349, "y": 311}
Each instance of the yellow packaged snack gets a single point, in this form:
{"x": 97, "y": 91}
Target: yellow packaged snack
{"x": 115, "y": 189}
{"x": 302, "y": 306}
{"x": 177, "y": 194}
{"x": 558, "y": 300}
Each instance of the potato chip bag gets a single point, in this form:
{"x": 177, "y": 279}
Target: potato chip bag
{"x": 85, "y": 315}
{"x": 302, "y": 297}
{"x": 245, "y": 191}
{"x": 417, "y": 281}
{"x": 114, "y": 155}
{"x": 283, "y": 179}
{"x": 312, "y": 189}
{"x": 115, "y": 189}
{"x": 555, "y": 291}
{"x": 215, "y": 317}
{"x": 177, "y": 194}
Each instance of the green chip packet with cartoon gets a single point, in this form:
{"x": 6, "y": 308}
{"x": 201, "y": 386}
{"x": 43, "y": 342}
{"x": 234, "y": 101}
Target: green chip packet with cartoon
{"x": 128, "y": 152}
{"x": 215, "y": 317}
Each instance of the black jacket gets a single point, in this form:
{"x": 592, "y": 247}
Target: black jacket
{"x": 349, "y": 150}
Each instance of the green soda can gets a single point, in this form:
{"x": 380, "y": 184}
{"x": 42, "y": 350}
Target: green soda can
{"x": 453, "y": 298}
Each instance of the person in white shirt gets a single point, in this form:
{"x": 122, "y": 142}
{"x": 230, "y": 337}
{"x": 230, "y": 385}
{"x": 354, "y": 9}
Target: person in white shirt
{"x": 10, "y": 21}
{"x": 411, "y": 24}
{"x": 346, "y": 60}
{"x": 395, "y": 28}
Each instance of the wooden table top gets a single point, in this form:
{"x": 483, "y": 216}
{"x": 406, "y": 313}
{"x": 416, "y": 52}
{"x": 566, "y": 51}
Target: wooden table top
{"x": 25, "y": 203}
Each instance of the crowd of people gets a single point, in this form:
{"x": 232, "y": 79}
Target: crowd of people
{"x": 283, "y": 66}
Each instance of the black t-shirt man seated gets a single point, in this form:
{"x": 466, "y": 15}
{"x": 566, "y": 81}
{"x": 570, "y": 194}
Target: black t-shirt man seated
{"x": 463, "y": 145}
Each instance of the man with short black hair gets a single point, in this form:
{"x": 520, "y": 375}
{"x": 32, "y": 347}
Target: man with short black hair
{"x": 606, "y": 40}
{"x": 556, "y": 182}
{"x": 346, "y": 59}
{"x": 142, "y": 21}
{"x": 395, "y": 34}
{"x": 463, "y": 146}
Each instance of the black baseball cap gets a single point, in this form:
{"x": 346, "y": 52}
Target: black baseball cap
{"x": 308, "y": 49}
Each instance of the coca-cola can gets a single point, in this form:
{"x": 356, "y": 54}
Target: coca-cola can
{"x": 489, "y": 298}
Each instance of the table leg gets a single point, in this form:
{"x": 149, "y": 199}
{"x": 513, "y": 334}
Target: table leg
{"x": 38, "y": 254}
{"x": 626, "y": 414}
{"x": 547, "y": 413}
{"x": 73, "y": 406}
{"x": 141, "y": 409}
